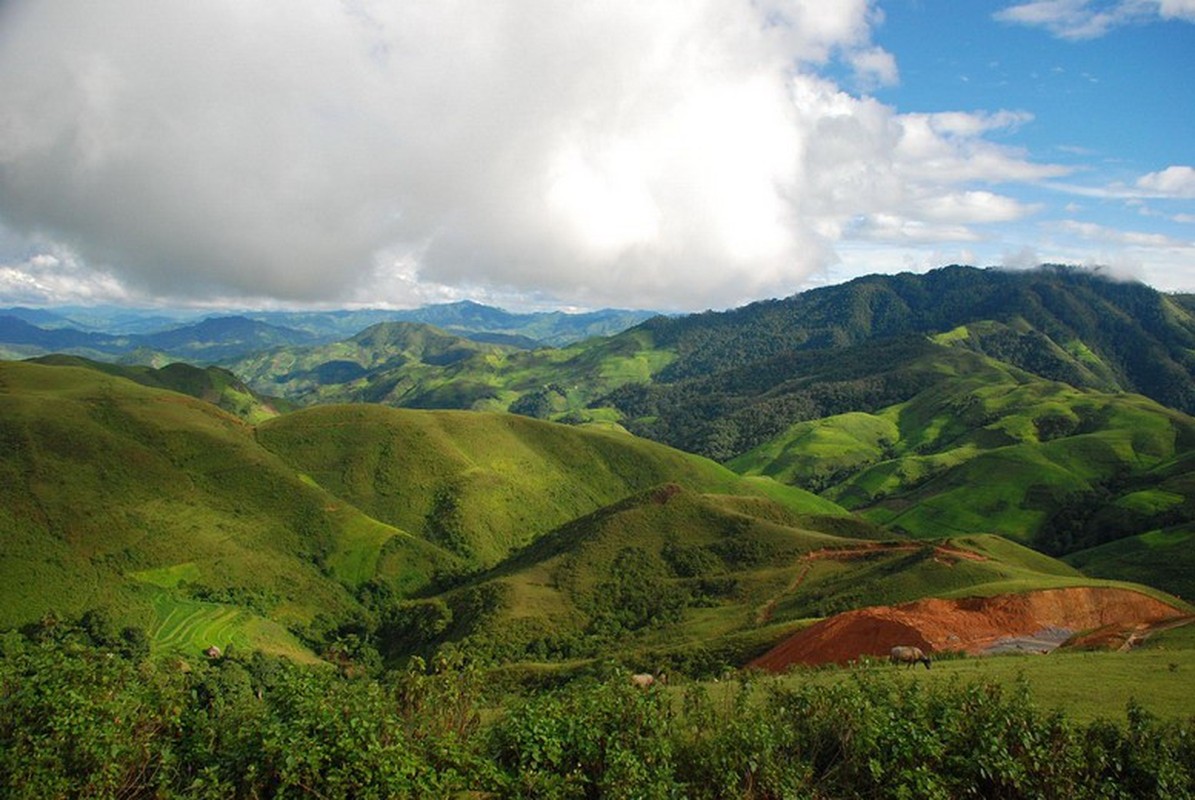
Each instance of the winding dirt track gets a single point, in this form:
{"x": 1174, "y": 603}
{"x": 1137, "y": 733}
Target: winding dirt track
{"x": 976, "y": 625}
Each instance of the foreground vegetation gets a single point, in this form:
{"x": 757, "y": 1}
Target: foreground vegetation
{"x": 83, "y": 712}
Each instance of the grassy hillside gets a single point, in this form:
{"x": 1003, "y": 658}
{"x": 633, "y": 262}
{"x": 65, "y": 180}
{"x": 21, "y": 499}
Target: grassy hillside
{"x": 418, "y": 366}
{"x": 350, "y": 528}
{"x": 179, "y": 518}
{"x": 677, "y": 579}
{"x": 385, "y": 361}
{"x": 1164, "y": 558}
{"x": 988, "y": 447}
{"x": 215, "y": 385}
{"x": 111, "y": 491}
{"x": 480, "y": 484}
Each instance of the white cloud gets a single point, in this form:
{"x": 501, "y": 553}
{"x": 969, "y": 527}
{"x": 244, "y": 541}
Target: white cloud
{"x": 1174, "y": 182}
{"x": 1178, "y": 181}
{"x": 1085, "y": 19}
{"x": 55, "y": 276}
{"x": 875, "y": 67}
{"x": 1103, "y": 234}
{"x": 672, "y": 155}
{"x": 1177, "y": 9}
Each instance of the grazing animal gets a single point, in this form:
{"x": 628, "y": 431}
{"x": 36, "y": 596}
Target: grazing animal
{"x": 644, "y": 680}
{"x": 910, "y": 656}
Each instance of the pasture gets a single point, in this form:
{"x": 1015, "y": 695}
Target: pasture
{"x": 1083, "y": 685}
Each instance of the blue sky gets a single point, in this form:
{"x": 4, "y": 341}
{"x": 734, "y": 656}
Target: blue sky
{"x": 669, "y": 154}
{"x": 1110, "y": 104}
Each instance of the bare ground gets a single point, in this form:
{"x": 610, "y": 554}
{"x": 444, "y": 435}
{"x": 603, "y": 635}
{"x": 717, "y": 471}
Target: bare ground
{"x": 1032, "y": 621}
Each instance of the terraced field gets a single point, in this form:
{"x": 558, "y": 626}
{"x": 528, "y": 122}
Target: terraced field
{"x": 191, "y": 626}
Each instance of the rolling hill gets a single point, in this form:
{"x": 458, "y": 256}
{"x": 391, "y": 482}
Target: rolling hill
{"x": 890, "y": 439}
{"x": 336, "y": 528}
{"x": 180, "y": 518}
{"x": 215, "y": 385}
{"x": 959, "y": 401}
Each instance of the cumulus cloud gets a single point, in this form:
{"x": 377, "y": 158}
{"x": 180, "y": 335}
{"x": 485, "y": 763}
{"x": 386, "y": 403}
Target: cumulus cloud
{"x": 1086, "y": 19}
{"x": 641, "y": 152}
{"x": 1177, "y": 181}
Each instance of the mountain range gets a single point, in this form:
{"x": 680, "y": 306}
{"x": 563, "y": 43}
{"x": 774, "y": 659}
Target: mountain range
{"x": 155, "y": 338}
{"x": 720, "y": 479}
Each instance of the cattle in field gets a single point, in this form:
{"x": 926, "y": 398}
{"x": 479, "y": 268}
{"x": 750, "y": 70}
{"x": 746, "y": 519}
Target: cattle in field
{"x": 909, "y": 655}
{"x": 644, "y": 680}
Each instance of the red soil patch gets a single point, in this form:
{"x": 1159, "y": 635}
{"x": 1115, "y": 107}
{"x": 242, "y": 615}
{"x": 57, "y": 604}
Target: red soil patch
{"x": 972, "y": 624}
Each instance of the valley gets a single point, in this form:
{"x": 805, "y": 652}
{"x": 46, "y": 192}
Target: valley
{"x": 783, "y": 486}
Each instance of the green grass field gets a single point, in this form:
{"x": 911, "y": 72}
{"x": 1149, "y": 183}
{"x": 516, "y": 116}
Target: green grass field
{"x": 1085, "y": 685}
{"x": 188, "y": 627}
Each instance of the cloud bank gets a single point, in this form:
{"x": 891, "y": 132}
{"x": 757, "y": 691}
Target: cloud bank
{"x": 634, "y": 152}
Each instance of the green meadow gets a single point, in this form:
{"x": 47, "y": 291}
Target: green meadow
{"x": 1084, "y": 685}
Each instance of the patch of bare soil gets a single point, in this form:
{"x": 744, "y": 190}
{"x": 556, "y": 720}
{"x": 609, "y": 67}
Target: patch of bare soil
{"x": 1032, "y": 621}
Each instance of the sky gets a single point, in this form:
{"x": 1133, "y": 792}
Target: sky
{"x": 667, "y": 154}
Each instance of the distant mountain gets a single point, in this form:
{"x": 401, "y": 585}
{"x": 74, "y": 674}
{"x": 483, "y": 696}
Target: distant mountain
{"x": 468, "y": 319}
{"x": 220, "y": 338}
{"x": 385, "y": 362}
{"x": 151, "y": 337}
{"x": 554, "y": 328}
{"x": 719, "y": 383}
{"x": 1059, "y": 322}
{"x": 37, "y": 316}
{"x": 892, "y": 395}
{"x": 207, "y": 341}
{"x": 15, "y": 330}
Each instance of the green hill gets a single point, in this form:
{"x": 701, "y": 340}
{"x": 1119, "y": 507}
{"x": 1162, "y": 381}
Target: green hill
{"x": 483, "y": 485}
{"x": 990, "y": 448}
{"x": 902, "y": 409}
{"x": 341, "y": 529}
{"x": 182, "y": 519}
{"x": 389, "y": 361}
{"x": 216, "y": 385}
{"x": 112, "y": 493}
{"x": 722, "y": 383}
{"x": 1164, "y": 557}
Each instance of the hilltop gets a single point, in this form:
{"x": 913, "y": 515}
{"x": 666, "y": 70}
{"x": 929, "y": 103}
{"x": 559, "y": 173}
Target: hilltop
{"x": 1051, "y": 406}
{"x": 722, "y": 478}
{"x": 173, "y": 515}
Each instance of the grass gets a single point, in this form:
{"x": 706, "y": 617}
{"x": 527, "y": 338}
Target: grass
{"x": 996, "y": 474}
{"x": 169, "y": 577}
{"x": 179, "y": 517}
{"x": 189, "y": 627}
{"x": 1084, "y": 685}
{"x": 813, "y": 452}
{"x": 1164, "y": 558}
{"x": 484, "y": 485}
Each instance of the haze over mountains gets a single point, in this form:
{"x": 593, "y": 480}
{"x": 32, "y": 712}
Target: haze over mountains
{"x": 1026, "y": 417}
{"x": 152, "y": 337}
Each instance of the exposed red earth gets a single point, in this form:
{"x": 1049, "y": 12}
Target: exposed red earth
{"x": 1033, "y": 621}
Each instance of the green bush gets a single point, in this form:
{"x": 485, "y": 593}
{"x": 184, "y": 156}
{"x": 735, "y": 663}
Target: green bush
{"x": 81, "y": 718}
